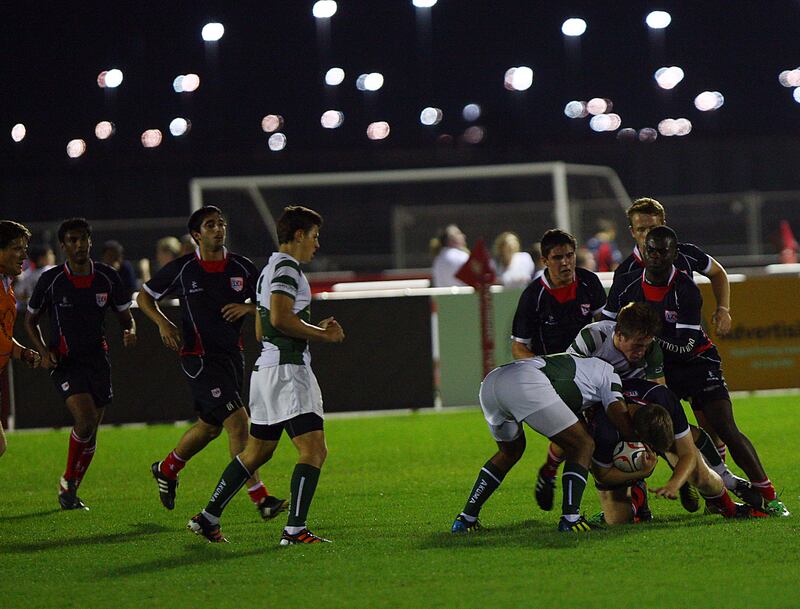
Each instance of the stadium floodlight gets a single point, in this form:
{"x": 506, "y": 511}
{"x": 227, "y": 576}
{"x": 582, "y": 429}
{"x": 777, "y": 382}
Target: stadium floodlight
{"x": 597, "y": 105}
{"x": 190, "y": 83}
{"x": 177, "y": 84}
{"x": 18, "y": 132}
{"x": 324, "y": 9}
{"x": 334, "y": 77}
{"x": 790, "y": 78}
{"x": 75, "y": 148}
{"x": 518, "y": 79}
{"x": 113, "y": 78}
{"x": 271, "y": 123}
{"x": 424, "y": 3}
{"x": 576, "y": 109}
{"x": 573, "y": 27}
{"x": 104, "y": 130}
{"x": 378, "y": 130}
{"x": 668, "y": 77}
{"x": 212, "y": 32}
{"x": 708, "y": 101}
{"x": 373, "y": 81}
{"x": 796, "y": 95}
{"x": 658, "y": 20}
{"x": 332, "y": 119}
{"x": 626, "y": 135}
{"x": 683, "y": 126}
{"x": 431, "y": 116}
{"x": 101, "y": 79}
{"x": 276, "y": 142}
{"x": 179, "y": 126}
{"x": 648, "y": 135}
{"x": 471, "y": 112}
{"x": 152, "y": 138}
{"x": 473, "y": 134}
{"x": 600, "y": 122}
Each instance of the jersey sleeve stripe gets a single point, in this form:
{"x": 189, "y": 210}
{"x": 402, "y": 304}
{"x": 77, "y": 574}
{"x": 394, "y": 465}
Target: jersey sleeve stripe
{"x": 587, "y": 337}
{"x": 284, "y": 293}
{"x": 150, "y": 291}
{"x": 289, "y": 263}
{"x": 686, "y": 327}
{"x": 291, "y": 281}
{"x": 576, "y": 348}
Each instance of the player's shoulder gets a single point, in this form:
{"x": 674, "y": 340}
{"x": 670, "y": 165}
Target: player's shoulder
{"x": 625, "y": 266}
{"x": 243, "y": 261}
{"x": 603, "y": 328}
{"x": 104, "y": 269}
{"x": 691, "y": 249}
{"x": 625, "y": 281}
{"x": 588, "y": 277}
{"x": 51, "y": 273}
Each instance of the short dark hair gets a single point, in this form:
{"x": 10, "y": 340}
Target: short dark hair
{"x": 10, "y": 231}
{"x": 648, "y": 206}
{"x": 653, "y": 425}
{"x": 295, "y": 218}
{"x": 38, "y": 250}
{"x": 638, "y": 319}
{"x": 663, "y": 232}
{"x": 196, "y": 219}
{"x": 555, "y": 237}
{"x": 73, "y": 224}
{"x": 115, "y": 246}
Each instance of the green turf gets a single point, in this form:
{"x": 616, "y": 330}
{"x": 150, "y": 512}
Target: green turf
{"x": 387, "y": 497}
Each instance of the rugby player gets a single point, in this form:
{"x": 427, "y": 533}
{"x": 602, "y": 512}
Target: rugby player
{"x": 76, "y": 296}
{"x": 212, "y": 285}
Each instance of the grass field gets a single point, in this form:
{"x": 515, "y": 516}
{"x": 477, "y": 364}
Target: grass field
{"x": 387, "y": 497}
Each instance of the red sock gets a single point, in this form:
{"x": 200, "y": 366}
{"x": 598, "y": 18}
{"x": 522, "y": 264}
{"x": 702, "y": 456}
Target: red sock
{"x": 257, "y": 492}
{"x": 85, "y": 460}
{"x": 172, "y": 465}
{"x": 765, "y": 488}
{"x": 723, "y": 451}
{"x": 550, "y": 468}
{"x": 76, "y": 448}
{"x": 722, "y": 504}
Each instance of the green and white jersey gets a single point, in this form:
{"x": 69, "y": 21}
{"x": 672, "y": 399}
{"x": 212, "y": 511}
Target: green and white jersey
{"x": 282, "y": 275}
{"x": 597, "y": 340}
{"x": 580, "y": 382}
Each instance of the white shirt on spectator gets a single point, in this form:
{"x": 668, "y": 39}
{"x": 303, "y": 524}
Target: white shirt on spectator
{"x": 445, "y": 266}
{"x": 518, "y": 273}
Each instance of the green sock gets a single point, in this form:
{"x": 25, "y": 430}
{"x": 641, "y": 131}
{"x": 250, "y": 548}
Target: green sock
{"x": 573, "y": 483}
{"x": 706, "y": 447}
{"x": 304, "y": 483}
{"x": 489, "y": 478}
{"x": 233, "y": 478}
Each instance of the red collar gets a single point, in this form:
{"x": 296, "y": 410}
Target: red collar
{"x": 637, "y": 256}
{"x": 80, "y": 281}
{"x": 212, "y": 266}
{"x": 562, "y": 294}
{"x": 656, "y": 293}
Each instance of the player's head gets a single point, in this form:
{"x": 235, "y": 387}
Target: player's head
{"x": 558, "y": 256}
{"x": 637, "y": 326}
{"x": 653, "y": 426}
{"x": 506, "y": 244}
{"x": 75, "y": 239}
{"x": 298, "y": 228}
{"x": 41, "y": 254}
{"x": 660, "y": 249}
{"x": 112, "y": 253}
{"x": 208, "y": 228}
{"x": 14, "y": 238}
{"x": 644, "y": 214}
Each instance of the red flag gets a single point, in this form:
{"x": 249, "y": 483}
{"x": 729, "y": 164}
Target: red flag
{"x": 788, "y": 244}
{"x": 478, "y": 269}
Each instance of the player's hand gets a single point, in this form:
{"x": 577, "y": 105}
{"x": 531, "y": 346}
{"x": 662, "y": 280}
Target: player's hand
{"x": 170, "y": 335}
{"x": 48, "y": 360}
{"x": 649, "y": 462}
{"x": 722, "y": 321}
{"x": 333, "y": 331}
{"x": 128, "y": 338}
{"x": 668, "y": 491}
{"x": 236, "y": 310}
{"x": 31, "y": 357}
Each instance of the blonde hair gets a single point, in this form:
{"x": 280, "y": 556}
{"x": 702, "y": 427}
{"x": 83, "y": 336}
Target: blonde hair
{"x": 646, "y": 205}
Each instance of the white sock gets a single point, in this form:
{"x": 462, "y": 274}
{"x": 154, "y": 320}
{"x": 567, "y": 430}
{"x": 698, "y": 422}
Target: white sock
{"x": 571, "y": 517}
{"x": 468, "y": 518}
{"x": 293, "y": 530}
{"x": 210, "y": 517}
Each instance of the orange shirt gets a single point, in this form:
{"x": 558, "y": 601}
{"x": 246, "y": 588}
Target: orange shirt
{"x": 8, "y": 315}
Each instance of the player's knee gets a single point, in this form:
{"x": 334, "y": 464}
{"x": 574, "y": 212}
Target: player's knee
{"x": 2, "y": 446}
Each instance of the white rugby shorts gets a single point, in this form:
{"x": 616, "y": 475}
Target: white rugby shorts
{"x": 515, "y": 393}
{"x": 282, "y": 392}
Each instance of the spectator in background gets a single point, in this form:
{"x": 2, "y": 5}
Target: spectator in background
{"x": 585, "y": 260}
{"x": 167, "y": 250}
{"x": 450, "y": 253}
{"x": 514, "y": 268}
{"x": 188, "y": 246}
{"x": 40, "y": 258}
{"x": 535, "y": 250}
{"x": 113, "y": 254}
{"x": 604, "y": 246}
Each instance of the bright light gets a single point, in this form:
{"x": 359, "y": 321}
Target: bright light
{"x": 212, "y": 32}
{"x": 75, "y": 148}
{"x": 471, "y": 112}
{"x": 324, "y": 9}
{"x": 667, "y": 127}
{"x": 573, "y": 27}
{"x": 709, "y": 100}
{"x": 271, "y": 122}
{"x": 378, "y": 131}
{"x": 792, "y": 78}
{"x": 626, "y": 135}
{"x": 683, "y": 126}
{"x": 104, "y": 130}
{"x": 601, "y": 122}
{"x": 658, "y": 20}
{"x": 190, "y": 83}
{"x": 332, "y": 119}
{"x": 177, "y": 84}
{"x": 648, "y": 135}
{"x": 18, "y": 132}
{"x": 576, "y": 109}
{"x": 113, "y": 78}
{"x": 431, "y": 116}
{"x": 423, "y": 3}
{"x": 474, "y": 134}
{"x": 276, "y": 142}
{"x": 783, "y": 78}
{"x": 151, "y": 138}
{"x": 796, "y": 95}
{"x": 668, "y": 78}
{"x": 101, "y": 79}
{"x": 334, "y": 76}
{"x": 597, "y": 105}
{"x": 616, "y": 121}
{"x": 518, "y": 79}
{"x": 373, "y": 81}
{"x": 179, "y": 126}
{"x": 360, "y": 82}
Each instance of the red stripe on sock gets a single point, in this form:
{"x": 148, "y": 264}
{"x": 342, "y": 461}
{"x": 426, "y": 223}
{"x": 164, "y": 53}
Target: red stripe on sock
{"x": 172, "y": 465}
{"x": 765, "y": 488}
{"x": 76, "y": 448}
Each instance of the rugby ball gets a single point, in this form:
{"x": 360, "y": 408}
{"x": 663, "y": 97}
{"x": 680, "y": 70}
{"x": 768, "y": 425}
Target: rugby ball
{"x": 629, "y": 456}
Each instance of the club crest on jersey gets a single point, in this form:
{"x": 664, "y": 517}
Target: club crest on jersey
{"x": 101, "y": 299}
{"x": 237, "y": 284}
{"x": 586, "y": 309}
{"x": 65, "y": 386}
{"x": 216, "y": 392}
{"x": 671, "y": 316}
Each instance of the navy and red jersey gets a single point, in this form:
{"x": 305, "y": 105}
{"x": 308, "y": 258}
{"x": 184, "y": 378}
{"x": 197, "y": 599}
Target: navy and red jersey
{"x": 548, "y": 319}
{"x": 679, "y": 305}
{"x": 77, "y": 305}
{"x": 203, "y": 287}
{"x": 690, "y": 258}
